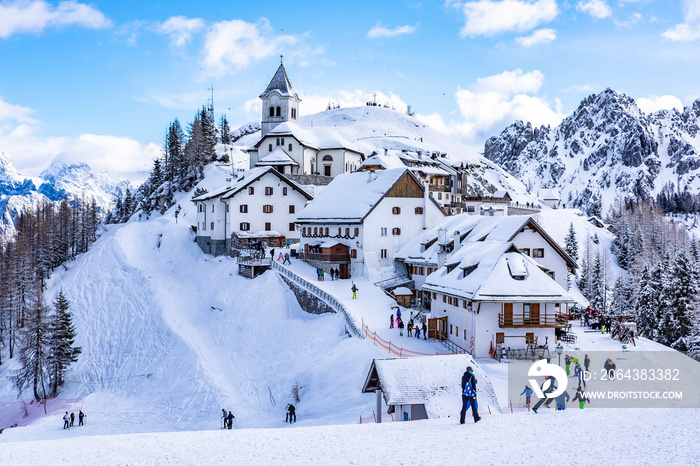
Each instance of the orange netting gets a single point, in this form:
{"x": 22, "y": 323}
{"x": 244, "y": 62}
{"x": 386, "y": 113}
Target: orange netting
{"x": 388, "y": 346}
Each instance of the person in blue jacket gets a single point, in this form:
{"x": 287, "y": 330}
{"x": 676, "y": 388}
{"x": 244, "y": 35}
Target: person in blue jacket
{"x": 561, "y": 400}
{"x": 528, "y": 394}
{"x": 469, "y": 395}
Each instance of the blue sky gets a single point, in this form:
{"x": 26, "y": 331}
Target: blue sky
{"x": 99, "y": 82}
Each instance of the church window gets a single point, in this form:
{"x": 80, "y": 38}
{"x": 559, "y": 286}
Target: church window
{"x": 327, "y": 158}
{"x": 279, "y": 111}
{"x": 284, "y": 191}
{"x": 270, "y": 147}
{"x": 272, "y": 111}
{"x": 282, "y": 143}
{"x": 290, "y": 147}
{"x": 278, "y": 141}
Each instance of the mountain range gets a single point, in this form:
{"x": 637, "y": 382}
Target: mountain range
{"x": 607, "y": 148}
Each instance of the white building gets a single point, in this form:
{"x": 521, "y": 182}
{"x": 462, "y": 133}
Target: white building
{"x": 493, "y": 296}
{"x": 292, "y": 149}
{"x": 261, "y": 204}
{"x": 362, "y": 219}
{"x": 430, "y": 249}
{"x": 550, "y": 198}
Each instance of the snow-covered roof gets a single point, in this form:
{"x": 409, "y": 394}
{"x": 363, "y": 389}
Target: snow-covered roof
{"x": 277, "y": 157}
{"x": 249, "y": 177}
{"x": 423, "y": 248}
{"x": 550, "y": 195}
{"x": 366, "y": 189}
{"x": 402, "y": 291}
{"x": 386, "y": 161}
{"x": 317, "y": 138}
{"x": 280, "y": 82}
{"x": 494, "y": 271}
{"x": 430, "y": 380}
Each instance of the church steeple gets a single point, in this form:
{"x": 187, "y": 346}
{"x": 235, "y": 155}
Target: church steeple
{"x": 280, "y": 101}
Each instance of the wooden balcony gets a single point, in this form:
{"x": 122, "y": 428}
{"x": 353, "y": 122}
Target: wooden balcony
{"x": 532, "y": 321}
{"x": 337, "y": 258}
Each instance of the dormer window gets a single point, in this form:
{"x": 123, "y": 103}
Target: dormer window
{"x": 469, "y": 269}
{"x": 451, "y": 267}
{"x": 516, "y": 266}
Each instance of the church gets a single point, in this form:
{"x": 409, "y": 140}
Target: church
{"x": 292, "y": 149}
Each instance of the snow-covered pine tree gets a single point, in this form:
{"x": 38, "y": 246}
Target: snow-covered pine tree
{"x": 648, "y": 303}
{"x": 209, "y": 134}
{"x": 597, "y": 298}
{"x": 584, "y": 282}
{"x": 225, "y": 130}
{"x": 571, "y": 245}
{"x": 62, "y": 338}
{"x": 34, "y": 348}
{"x": 623, "y": 296}
{"x": 679, "y": 297}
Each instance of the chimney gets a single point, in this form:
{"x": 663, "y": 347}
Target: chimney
{"x": 457, "y": 242}
{"x": 426, "y": 195}
{"x": 371, "y": 176}
{"x": 386, "y": 151}
{"x": 228, "y": 182}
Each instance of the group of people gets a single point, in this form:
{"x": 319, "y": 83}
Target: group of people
{"x": 291, "y": 414}
{"x": 411, "y": 327}
{"x": 227, "y": 419}
{"x": 284, "y": 258}
{"x": 69, "y": 419}
{"x": 334, "y": 273}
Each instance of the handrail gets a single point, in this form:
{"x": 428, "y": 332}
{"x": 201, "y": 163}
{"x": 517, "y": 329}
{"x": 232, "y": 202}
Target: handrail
{"x": 320, "y": 294}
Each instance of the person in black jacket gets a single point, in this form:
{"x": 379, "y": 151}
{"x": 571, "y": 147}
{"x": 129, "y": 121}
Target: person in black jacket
{"x": 469, "y": 395}
{"x": 229, "y": 418}
{"x": 292, "y": 413}
{"x": 550, "y": 389}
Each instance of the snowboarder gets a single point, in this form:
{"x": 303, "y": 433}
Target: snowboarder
{"x": 581, "y": 397}
{"x": 469, "y": 395}
{"x": 224, "y": 416}
{"x": 391, "y": 321}
{"x": 528, "y": 394}
{"x": 561, "y": 400}
{"x": 229, "y": 418}
{"x": 292, "y": 413}
{"x": 81, "y": 416}
{"x": 425, "y": 331}
{"x": 354, "y": 291}
{"x": 286, "y": 259}
{"x": 66, "y": 420}
{"x": 72, "y": 419}
{"x": 400, "y": 326}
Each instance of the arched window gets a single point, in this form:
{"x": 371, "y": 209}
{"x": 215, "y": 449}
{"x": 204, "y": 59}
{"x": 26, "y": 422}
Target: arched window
{"x": 279, "y": 111}
{"x": 278, "y": 141}
{"x": 290, "y": 147}
{"x": 282, "y": 142}
{"x": 294, "y": 114}
{"x": 272, "y": 111}
{"x": 270, "y": 147}
{"x": 327, "y": 158}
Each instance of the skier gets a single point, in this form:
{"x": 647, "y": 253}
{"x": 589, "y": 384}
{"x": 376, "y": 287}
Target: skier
{"x": 72, "y": 419}
{"x": 354, "y": 291}
{"x": 224, "y": 416}
{"x": 66, "y": 420}
{"x": 400, "y": 326}
{"x": 469, "y": 395}
{"x": 528, "y": 394}
{"x": 545, "y": 400}
{"x": 391, "y": 321}
{"x": 292, "y": 413}
{"x": 229, "y": 418}
{"x": 81, "y": 416}
{"x": 561, "y": 400}
{"x": 281, "y": 257}
{"x": 567, "y": 362}
{"x": 581, "y": 397}
{"x": 286, "y": 259}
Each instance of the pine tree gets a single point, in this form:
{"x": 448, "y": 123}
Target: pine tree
{"x": 571, "y": 245}
{"x": 623, "y": 296}
{"x": 649, "y": 303}
{"x": 209, "y": 134}
{"x": 34, "y": 348}
{"x": 128, "y": 205}
{"x": 679, "y": 297}
{"x": 62, "y": 337}
{"x": 225, "y": 130}
{"x": 584, "y": 281}
{"x": 597, "y": 284}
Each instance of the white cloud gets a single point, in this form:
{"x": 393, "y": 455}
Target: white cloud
{"x": 14, "y": 112}
{"x": 631, "y": 21}
{"x": 539, "y": 37}
{"x": 233, "y": 45}
{"x": 596, "y": 8}
{"x": 180, "y": 29}
{"x": 35, "y": 16}
{"x": 380, "y": 31}
{"x": 488, "y": 17}
{"x": 494, "y": 102}
{"x": 655, "y": 103}
{"x": 689, "y": 29}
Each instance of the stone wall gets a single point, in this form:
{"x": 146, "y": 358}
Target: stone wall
{"x": 316, "y": 180}
{"x": 306, "y": 300}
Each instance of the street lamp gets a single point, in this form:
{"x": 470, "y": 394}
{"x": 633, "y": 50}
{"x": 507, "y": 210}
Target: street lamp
{"x": 560, "y": 350}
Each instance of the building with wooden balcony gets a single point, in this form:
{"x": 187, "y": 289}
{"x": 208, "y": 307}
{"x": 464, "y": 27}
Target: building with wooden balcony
{"x": 492, "y": 294}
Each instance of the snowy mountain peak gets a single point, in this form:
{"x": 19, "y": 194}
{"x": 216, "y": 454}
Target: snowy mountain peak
{"x": 606, "y": 148}
{"x": 7, "y": 168}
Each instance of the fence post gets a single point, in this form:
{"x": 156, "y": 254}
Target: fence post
{"x": 401, "y": 352}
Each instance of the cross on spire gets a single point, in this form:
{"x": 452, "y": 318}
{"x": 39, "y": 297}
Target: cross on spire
{"x": 281, "y": 59}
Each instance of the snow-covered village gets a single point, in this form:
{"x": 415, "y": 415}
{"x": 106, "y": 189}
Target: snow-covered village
{"x": 227, "y": 238}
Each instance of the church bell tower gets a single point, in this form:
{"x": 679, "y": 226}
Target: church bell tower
{"x": 280, "y": 103}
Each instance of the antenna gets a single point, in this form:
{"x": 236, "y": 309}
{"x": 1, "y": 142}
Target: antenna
{"x": 210, "y": 103}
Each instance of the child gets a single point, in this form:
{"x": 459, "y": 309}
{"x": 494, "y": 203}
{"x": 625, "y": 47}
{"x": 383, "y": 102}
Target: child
{"x": 391, "y": 321}
{"x": 528, "y": 394}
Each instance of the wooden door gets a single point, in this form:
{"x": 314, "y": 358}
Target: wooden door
{"x": 432, "y": 328}
{"x": 535, "y": 314}
{"x": 327, "y": 170}
{"x": 507, "y": 314}
{"x": 500, "y": 338}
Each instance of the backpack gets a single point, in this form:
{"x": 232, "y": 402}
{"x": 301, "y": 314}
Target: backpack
{"x": 468, "y": 389}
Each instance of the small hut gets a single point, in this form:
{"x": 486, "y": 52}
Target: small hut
{"x": 403, "y": 296}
